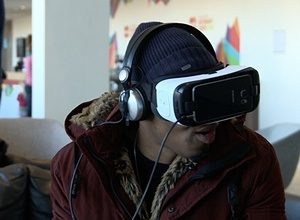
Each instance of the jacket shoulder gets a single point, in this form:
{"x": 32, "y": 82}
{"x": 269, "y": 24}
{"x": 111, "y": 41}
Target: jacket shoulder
{"x": 260, "y": 145}
{"x": 62, "y": 164}
{"x": 263, "y": 181}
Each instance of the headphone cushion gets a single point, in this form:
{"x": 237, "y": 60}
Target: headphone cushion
{"x": 135, "y": 105}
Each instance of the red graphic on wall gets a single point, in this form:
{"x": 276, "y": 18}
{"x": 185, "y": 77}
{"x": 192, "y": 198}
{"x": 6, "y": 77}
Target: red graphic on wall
{"x": 114, "y": 4}
{"x": 203, "y": 23}
{"x": 113, "y": 7}
{"x": 129, "y": 30}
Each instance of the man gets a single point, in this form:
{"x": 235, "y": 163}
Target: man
{"x": 130, "y": 160}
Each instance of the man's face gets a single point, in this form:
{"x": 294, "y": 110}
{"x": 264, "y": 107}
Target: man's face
{"x": 184, "y": 141}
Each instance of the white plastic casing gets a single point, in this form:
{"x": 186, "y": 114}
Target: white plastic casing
{"x": 165, "y": 90}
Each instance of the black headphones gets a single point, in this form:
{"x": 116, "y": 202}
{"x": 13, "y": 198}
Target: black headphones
{"x": 133, "y": 99}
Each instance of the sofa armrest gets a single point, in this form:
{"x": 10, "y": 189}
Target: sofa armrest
{"x": 292, "y": 207}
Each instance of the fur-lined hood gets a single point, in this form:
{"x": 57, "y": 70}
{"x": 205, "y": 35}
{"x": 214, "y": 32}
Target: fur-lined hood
{"x": 90, "y": 114}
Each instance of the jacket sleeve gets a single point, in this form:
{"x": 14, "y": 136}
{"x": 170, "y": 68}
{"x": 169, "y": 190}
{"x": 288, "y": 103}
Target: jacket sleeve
{"x": 266, "y": 198}
{"x": 60, "y": 174}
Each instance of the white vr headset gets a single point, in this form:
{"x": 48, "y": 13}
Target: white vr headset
{"x": 201, "y": 97}
{"x": 206, "y": 98}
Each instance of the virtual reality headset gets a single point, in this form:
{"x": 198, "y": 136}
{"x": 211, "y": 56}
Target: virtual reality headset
{"x": 206, "y": 98}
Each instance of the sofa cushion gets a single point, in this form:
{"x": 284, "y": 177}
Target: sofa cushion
{"x": 292, "y": 207}
{"x": 4, "y": 161}
{"x": 13, "y": 192}
{"x": 39, "y": 188}
{"x": 42, "y": 163}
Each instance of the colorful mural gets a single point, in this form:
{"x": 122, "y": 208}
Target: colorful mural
{"x": 113, "y": 7}
{"x": 228, "y": 50}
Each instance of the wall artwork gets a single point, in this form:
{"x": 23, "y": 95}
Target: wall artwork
{"x": 114, "y": 4}
{"x": 223, "y": 34}
{"x": 203, "y": 23}
{"x": 228, "y": 50}
{"x": 159, "y": 1}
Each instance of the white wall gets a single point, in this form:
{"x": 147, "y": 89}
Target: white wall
{"x": 70, "y": 54}
{"x": 269, "y": 41}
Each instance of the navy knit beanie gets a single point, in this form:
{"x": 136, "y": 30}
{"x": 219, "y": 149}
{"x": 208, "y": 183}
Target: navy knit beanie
{"x": 168, "y": 53}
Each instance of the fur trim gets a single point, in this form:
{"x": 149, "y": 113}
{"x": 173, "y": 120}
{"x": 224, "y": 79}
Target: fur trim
{"x": 178, "y": 168}
{"x": 128, "y": 180}
{"x": 97, "y": 111}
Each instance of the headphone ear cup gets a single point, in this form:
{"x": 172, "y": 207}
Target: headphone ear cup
{"x": 134, "y": 107}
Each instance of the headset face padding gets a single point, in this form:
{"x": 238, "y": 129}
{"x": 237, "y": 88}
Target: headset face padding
{"x": 133, "y": 103}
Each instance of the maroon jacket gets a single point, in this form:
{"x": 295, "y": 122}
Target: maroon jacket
{"x": 239, "y": 177}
